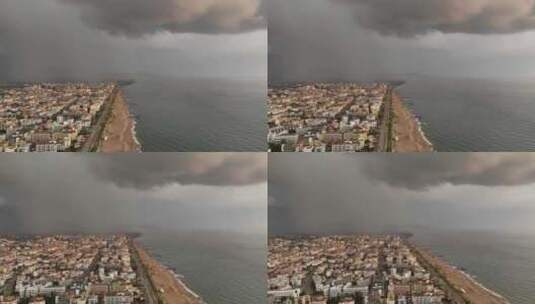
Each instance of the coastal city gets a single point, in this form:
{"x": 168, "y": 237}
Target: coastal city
{"x": 49, "y": 117}
{"x": 69, "y": 269}
{"x": 324, "y": 117}
{"x": 350, "y": 270}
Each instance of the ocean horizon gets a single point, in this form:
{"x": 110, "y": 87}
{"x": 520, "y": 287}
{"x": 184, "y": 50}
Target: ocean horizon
{"x": 462, "y": 114}
{"x": 502, "y": 262}
{"x": 473, "y": 115}
{"x": 189, "y": 114}
{"x": 222, "y": 268}
{"x": 198, "y": 114}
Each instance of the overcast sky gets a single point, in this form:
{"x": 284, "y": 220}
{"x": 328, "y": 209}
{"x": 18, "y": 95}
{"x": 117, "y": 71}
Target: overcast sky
{"x": 48, "y": 39}
{"x": 369, "y": 39}
{"x": 109, "y": 193}
{"x": 340, "y": 193}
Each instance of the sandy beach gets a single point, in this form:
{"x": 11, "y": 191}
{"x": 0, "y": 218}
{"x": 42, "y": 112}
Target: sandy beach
{"x": 118, "y": 135}
{"x": 170, "y": 289}
{"x": 407, "y": 130}
{"x": 470, "y": 290}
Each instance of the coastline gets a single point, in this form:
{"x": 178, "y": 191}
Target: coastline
{"x": 464, "y": 285}
{"x": 134, "y": 133}
{"x": 408, "y": 135}
{"x": 481, "y": 285}
{"x": 170, "y": 289}
{"x": 119, "y": 134}
{"x": 179, "y": 278}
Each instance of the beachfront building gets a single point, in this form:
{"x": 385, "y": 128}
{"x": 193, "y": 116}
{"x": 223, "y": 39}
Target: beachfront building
{"x": 50, "y": 117}
{"x": 348, "y": 269}
{"x": 320, "y": 117}
{"x": 70, "y": 269}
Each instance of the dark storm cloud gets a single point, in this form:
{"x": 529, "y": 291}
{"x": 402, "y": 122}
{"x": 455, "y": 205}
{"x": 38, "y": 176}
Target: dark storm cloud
{"x": 57, "y": 40}
{"x": 50, "y": 194}
{"x": 75, "y": 193}
{"x": 140, "y": 17}
{"x": 379, "y": 192}
{"x": 424, "y": 171}
{"x": 412, "y": 17}
{"x": 219, "y": 169}
{"x": 332, "y": 40}
{"x": 135, "y": 171}
{"x": 43, "y": 40}
{"x": 315, "y": 40}
{"x": 416, "y": 171}
{"x": 320, "y": 193}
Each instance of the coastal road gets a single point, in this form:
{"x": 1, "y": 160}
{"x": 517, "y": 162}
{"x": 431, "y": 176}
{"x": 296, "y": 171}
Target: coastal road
{"x": 451, "y": 292}
{"x": 150, "y": 294}
{"x": 463, "y": 288}
{"x": 92, "y": 142}
{"x": 167, "y": 288}
{"x": 385, "y": 130}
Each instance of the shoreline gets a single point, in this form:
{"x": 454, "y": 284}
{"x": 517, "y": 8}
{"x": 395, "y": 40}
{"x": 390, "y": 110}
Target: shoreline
{"x": 465, "y": 285}
{"x": 470, "y": 277}
{"x": 170, "y": 289}
{"x": 408, "y": 134}
{"x": 119, "y": 134}
{"x": 179, "y": 278}
{"x": 134, "y": 134}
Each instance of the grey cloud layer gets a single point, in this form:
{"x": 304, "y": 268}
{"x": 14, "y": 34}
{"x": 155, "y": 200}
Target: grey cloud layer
{"x": 141, "y": 17}
{"x": 326, "y": 40}
{"x": 51, "y": 40}
{"x": 354, "y": 193}
{"x": 219, "y": 169}
{"x": 424, "y": 171}
{"x": 102, "y": 193}
{"x": 413, "y": 17}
